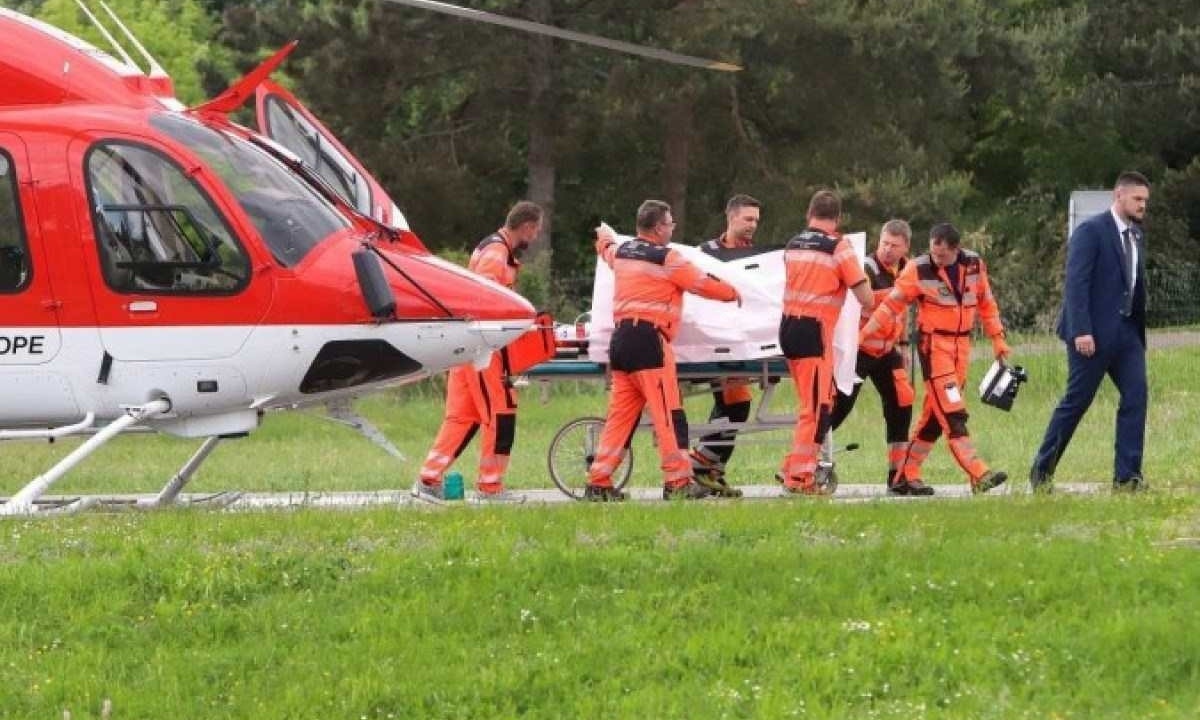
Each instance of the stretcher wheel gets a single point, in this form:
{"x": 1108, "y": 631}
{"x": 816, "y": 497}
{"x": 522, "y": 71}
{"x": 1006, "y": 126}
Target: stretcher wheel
{"x": 826, "y": 477}
{"x": 572, "y": 451}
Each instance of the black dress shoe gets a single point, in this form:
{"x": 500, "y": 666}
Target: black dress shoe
{"x": 1133, "y": 483}
{"x": 1040, "y": 481}
{"x": 602, "y": 493}
{"x": 909, "y": 487}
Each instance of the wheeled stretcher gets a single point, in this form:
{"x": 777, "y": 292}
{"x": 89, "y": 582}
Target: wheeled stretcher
{"x": 573, "y": 447}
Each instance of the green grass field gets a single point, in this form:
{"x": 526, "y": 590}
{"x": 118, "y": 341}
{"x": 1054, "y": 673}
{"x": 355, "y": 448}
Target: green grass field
{"x": 996, "y": 607}
{"x": 1065, "y": 607}
{"x": 298, "y": 451}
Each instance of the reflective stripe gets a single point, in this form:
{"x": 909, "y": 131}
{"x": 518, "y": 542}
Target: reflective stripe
{"x": 811, "y": 257}
{"x": 799, "y": 298}
{"x": 918, "y": 450}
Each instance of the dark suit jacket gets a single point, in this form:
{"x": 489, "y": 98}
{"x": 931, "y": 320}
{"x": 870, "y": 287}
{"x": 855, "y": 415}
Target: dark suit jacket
{"x": 1096, "y": 286}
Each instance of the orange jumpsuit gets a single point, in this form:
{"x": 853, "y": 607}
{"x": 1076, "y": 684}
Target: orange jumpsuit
{"x": 647, "y": 301}
{"x": 820, "y": 268}
{"x": 480, "y": 398}
{"x": 949, "y": 300}
{"x": 880, "y": 360}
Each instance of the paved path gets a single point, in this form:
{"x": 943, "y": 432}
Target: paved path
{"x": 250, "y": 501}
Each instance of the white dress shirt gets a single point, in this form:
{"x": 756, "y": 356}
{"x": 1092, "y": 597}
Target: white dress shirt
{"x": 1122, "y": 226}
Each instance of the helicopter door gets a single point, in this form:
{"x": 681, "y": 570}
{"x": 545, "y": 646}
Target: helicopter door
{"x": 285, "y": 120}
{"x": 30, "y": 338}
{"x": 170, "y": 278}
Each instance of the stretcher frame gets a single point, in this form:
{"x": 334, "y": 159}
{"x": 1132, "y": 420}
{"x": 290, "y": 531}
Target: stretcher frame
{"x": 573, "y": 447}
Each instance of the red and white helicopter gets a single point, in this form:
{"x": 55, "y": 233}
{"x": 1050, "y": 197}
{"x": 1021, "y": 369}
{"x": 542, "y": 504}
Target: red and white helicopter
{"x": 164, "y": 268}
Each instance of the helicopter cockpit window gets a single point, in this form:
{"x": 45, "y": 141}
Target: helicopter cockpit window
{"x": 157, "y": 231}
{"x": 293, "y": 131}
{"x": 291, "y": 217}
{"x": 14, "y": 257}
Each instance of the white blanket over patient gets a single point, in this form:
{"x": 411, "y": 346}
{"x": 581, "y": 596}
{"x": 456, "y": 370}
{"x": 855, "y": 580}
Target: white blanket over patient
{"x": 713, "y": 331}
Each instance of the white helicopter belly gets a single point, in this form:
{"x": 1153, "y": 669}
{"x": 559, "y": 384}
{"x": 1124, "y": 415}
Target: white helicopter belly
{"x": 269, "y": 370}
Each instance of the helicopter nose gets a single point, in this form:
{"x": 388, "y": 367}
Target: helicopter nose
{"x": 442, "y": 289}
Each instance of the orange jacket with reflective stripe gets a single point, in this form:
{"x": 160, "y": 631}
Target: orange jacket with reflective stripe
{"x": 882, "y": 279}
{"x": 651, "y": 280}
{"x": 494, "y": 260}
{"x": 944, "y": 308}
{"x": 820, "y": 268}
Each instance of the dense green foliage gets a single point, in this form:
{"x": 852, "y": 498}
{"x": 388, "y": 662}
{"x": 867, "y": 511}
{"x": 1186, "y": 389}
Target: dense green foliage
{"x": 985, "y": 113}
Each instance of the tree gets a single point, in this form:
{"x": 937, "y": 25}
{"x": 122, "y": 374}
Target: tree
{"x": 179, "y": 34}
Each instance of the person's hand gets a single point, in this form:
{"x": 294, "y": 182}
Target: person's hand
{"x": 1000, "y": 348}
{"x": 1085, "y": 345}
{"x": 605, "y": 234}
{"x": 868, "y": 331}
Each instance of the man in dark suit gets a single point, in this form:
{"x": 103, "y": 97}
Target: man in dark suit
{"x": 1103, "y": 323}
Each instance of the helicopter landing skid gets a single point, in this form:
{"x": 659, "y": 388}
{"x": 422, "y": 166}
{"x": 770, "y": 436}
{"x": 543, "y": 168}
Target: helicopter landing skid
{"x": 24, "y": 502}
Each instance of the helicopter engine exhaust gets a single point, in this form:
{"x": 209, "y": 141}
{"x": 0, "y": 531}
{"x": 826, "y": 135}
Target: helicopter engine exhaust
{"x": 375, "y": 289}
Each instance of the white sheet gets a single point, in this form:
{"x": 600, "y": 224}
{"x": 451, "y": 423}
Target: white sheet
{"x": 714, "y": 331}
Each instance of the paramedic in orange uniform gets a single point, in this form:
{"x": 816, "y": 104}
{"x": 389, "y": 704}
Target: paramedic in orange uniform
{"x": 951, "y": 287}
{"x": 650, "y": 280}
{"x": 882, "y": 359}
{"x": 731, "y": 396}
{"x": 483, "y": 398}
{"x": 820, "y": 266}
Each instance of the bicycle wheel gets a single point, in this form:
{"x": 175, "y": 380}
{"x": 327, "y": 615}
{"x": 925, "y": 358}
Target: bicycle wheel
{"x": 572, "y": 451}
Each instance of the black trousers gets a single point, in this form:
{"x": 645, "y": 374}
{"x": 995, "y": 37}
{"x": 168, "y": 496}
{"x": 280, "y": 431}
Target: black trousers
{"x": 881, "y": 371}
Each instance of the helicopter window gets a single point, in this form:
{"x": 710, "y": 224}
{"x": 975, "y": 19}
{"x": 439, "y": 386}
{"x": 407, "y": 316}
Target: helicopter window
{"x": 14, "y": 257}
{"x": 157, "y": 231}
{"x": 291, "y": 217}
{"x": 292, "y": 130}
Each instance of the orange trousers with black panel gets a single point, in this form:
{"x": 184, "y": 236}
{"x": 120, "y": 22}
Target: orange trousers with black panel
{"x": 476, "y": 400}
{"x": 643, "y": 376}
{"x": 890, "y": 377}
{"x": 944, "y": 361}
{"x": 807, "y": 344}
{"x": 732, "y": 401}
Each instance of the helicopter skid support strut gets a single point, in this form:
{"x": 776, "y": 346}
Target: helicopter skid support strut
{"x": 23, "y": 502}
{"x": 170, "y": 492}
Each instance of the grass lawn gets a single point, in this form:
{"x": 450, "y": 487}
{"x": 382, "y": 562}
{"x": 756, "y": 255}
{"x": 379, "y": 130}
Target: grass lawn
{"x": 997, "y": 607}
{"x": 1008, "y": 607}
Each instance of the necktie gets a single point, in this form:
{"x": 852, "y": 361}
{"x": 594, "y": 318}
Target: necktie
{"x": 1127, "y": 246}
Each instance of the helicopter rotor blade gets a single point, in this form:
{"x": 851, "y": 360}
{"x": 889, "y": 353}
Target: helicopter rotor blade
{"x": 594, "y": 40}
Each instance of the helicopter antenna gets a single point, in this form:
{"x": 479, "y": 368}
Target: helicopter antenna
{"x": 594, "y": 40}
{"x": 108, "y": 36}
{"x": 156, "y": 70}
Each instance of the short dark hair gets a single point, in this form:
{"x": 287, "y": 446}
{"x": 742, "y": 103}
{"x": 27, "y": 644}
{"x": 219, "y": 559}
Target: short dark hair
{"x": 1130, "y": 178}
{"x": 825, "y": 205}
{"x": 651, "y": 213}
{"x": 898, "y": 227}
{"x": 737, "y": 202}
{"x": 521, "y": 213}
{"x": 946, "y": 233}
